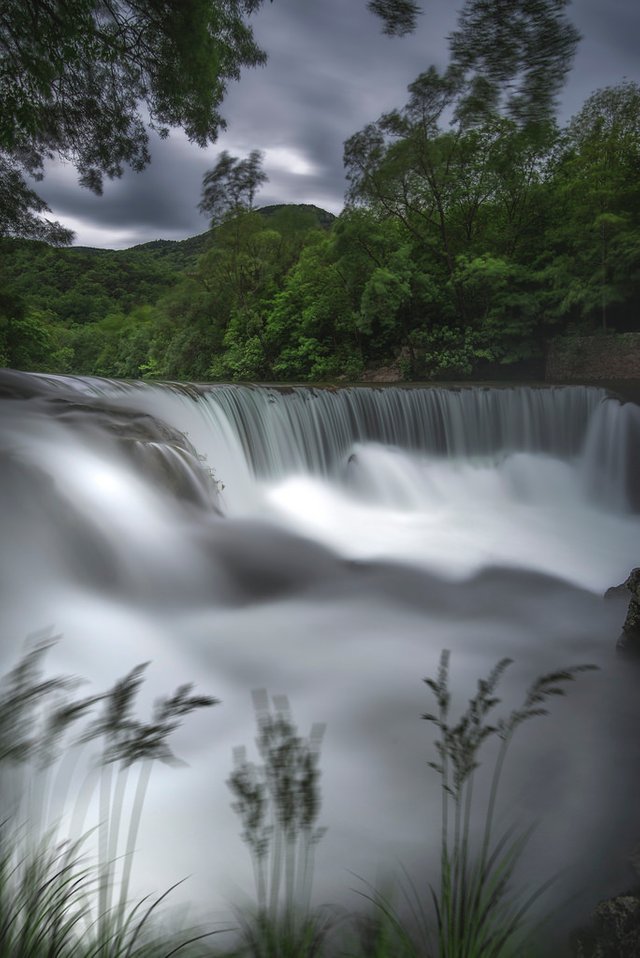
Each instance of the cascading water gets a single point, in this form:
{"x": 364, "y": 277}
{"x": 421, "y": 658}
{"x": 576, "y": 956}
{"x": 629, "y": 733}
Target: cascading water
{"x": 327, "y": 544}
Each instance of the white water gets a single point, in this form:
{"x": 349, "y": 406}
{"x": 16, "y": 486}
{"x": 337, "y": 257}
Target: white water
{"x": 363, "y": 532}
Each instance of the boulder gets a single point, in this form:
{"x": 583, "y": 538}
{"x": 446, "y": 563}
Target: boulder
{"x": 629, "y": 641}
{"x": 614, "y": 931}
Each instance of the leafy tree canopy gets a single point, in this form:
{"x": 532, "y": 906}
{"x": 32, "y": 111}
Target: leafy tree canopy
{"x": 512, "y": 56}
{"x": 398, "y": 16}
{"x": 20, "y": 208}
{"x": 84, "y": 80}
{"x": 610, "y": 113}
{"x": 230, "y": 187}
{"x": 77, "y": 78}
{"x": 74, "y": 76}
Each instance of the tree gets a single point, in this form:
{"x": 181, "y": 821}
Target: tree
{"x": 595, "y": 239}
{"x": 512, "y": 57}
{"x": 75, "y": 75}
{"x": 229, "y": 188}
{"x": 77, "y": 78}
{"x": 461, "y": 167}
{"x": 305, "y": 329}
{"x": 85, "y": 80}
{"x": 398, "y": 16}
{"x": 448, "y": 187}
{"x": 21, "y": 208}
{"x": 25, "y": 335}
{"x": 460, "y": 284}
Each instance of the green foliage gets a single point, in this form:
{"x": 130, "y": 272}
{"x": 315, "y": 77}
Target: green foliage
{"x": 309, "y": 317}
{"x": 594, "y": 235}
{"x": 78, "y": 83}
{"x": 50, "y": 895}
{"x": 384, "y": 294}
{"x": 463, "y": 249}
{"x": 464, "y": 168}
{"x": 21, "y": 208}
{"x": 44, "y": 893}
{"x": 82, "y": 311}
{"x": 239, "y": 277}
{"x": 278, "y": 804}
{"x": 501, "y": 296}
{"x": 474, "y": 227}
{"x": 464, "y": 286}
{"x": 512, "y": 61}
{"x": 229, "y": 188}
{"x": 126, "y": 341}
{"x": 478, "y": 913}
{"x": 399, "y": 17}
{"x": 85, "y": 81}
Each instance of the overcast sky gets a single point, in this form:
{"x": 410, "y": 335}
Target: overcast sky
{"x": 330, "y": 71}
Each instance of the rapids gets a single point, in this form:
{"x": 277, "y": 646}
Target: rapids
{"x": 327, "y": 544}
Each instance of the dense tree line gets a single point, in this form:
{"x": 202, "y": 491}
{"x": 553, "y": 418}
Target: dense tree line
{"x": 462, "y": 249}
{"x": 474, "y": 228}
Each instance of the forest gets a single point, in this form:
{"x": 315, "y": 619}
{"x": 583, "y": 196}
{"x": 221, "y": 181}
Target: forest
{"x": 475, "y": 227}
{"x": 461, "y": 251}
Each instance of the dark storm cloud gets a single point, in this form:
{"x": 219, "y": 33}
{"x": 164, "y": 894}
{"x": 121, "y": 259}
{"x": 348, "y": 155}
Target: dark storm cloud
{"x": 330, "y": 72}
{"x": 608, "y": 52}
{"x": 159, "y": 203}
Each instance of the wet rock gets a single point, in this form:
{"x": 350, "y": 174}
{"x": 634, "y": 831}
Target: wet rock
{"x": 629, "y": 641}
{"x": 614, "y": 931}
{"x": 154, "y": 448}
{"x": 616, "y": 590}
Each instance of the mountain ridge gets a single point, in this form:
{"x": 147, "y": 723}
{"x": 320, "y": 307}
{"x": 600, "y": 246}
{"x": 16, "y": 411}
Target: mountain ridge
{"x": 199, "y": 240}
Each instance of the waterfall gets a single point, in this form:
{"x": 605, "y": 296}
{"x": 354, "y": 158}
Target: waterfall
{"x": 274, "y": 431}
{"x": 327, "y": 544}
{"x": 282, "y": 429}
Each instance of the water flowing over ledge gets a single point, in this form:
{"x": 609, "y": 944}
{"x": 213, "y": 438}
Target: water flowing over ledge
{"x": 274, "y": 431}
{"x": 359, "y": 532}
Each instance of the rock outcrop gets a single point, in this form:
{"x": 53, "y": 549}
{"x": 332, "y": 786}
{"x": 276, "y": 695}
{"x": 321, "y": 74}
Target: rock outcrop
{"x": 614, "y": 931}
{"x": 629, "y": 641}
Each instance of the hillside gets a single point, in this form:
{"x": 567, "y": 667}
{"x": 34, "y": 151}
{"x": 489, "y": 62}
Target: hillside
{"x": 98, "y": 311}
{"x": 82, "y": 284}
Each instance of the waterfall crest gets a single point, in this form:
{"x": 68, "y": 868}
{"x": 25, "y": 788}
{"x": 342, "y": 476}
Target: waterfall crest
{"x": 268, "y": 432}
{"x": 328, "y": 544}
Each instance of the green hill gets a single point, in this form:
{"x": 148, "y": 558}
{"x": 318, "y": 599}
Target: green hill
{"x": 80, "y": 284}
{"x": 140, "y": 311}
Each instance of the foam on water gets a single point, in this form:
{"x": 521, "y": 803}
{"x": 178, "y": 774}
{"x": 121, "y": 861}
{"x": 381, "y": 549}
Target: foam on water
{"x": 363, "y": 531}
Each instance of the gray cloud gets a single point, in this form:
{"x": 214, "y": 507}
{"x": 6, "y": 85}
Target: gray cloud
{"x": 330, "y": 71}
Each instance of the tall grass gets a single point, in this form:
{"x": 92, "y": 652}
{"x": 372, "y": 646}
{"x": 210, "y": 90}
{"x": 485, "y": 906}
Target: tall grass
{"x": 478, "y": 913}
{"x": 278, "y": 803}
{"x": 51, "y": 897}
{"x": 56, "y": 901}
{"x": 125, "y": 743}
{"x": 44, "y": 895}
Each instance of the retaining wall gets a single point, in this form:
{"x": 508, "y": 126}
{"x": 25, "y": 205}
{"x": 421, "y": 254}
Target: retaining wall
{"x": 593, "y": 358}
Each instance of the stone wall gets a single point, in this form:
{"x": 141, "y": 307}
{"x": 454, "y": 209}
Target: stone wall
{"x": 593, "y": 358}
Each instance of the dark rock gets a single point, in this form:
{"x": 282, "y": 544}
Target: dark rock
{"x": 616, "y": 590}
{"x": 614, "y": 931}
{"x": 157, "y": 450}
{"x": 628, "y": 644}
{"x": 632, "y": 621}
{"x": 629, "y": 641}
